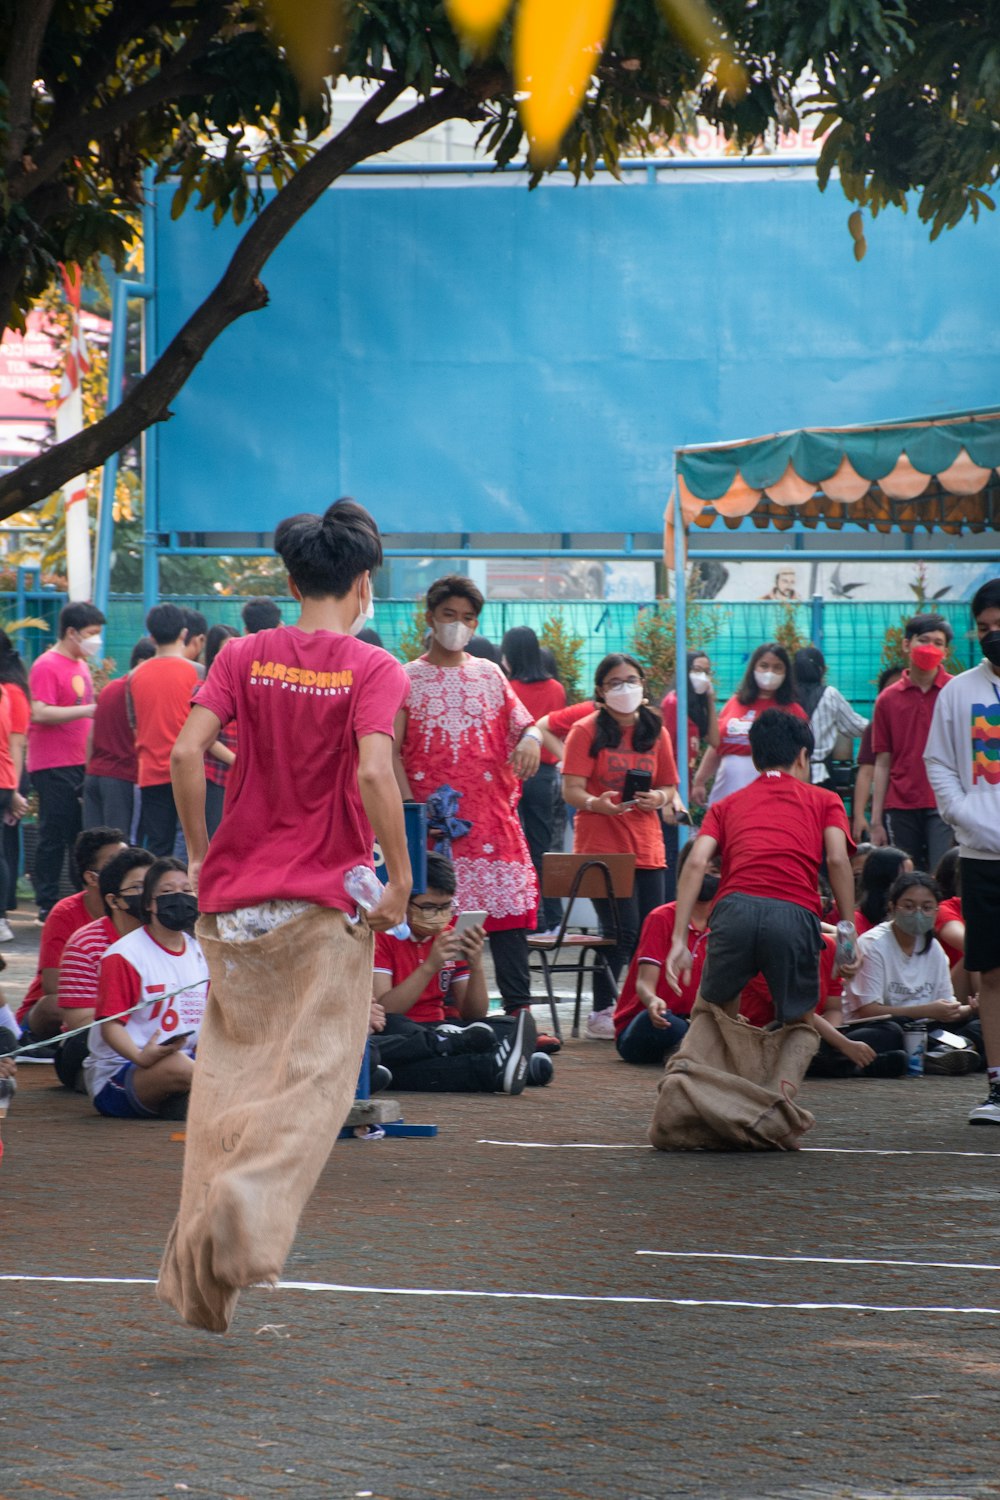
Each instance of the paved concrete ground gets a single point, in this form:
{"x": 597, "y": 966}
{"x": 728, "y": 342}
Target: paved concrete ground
{"x": 362, "y": 1388}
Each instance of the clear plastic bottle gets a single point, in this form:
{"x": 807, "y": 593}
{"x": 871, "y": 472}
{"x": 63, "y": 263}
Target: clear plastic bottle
{"x": 846, "y": 947}
{"x": 363, "y": 886}
{"x": 915, "y": 1042}
{"x": 8, "y": 1088}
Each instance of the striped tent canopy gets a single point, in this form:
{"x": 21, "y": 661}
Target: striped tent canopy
{"x": 941, "y": 473}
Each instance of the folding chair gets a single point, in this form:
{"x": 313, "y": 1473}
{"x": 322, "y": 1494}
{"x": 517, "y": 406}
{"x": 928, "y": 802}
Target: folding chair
{"x": 604, "y": 876}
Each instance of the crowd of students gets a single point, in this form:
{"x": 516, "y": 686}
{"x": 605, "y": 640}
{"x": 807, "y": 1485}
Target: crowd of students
{"x": 484, "y": 737}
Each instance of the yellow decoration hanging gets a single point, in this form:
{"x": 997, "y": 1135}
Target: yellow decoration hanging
{"x": 477, "y": 21}
{"x": 309, "y": 31}
{"x": 557, "y": 48}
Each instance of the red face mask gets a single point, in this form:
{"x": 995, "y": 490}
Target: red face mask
{"x": 926, "y": 658}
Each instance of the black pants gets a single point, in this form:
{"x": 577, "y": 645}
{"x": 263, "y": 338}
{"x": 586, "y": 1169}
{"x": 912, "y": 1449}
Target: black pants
{"x": 10, "y": 853}
{"x": 672, "y": 853}
{"x": 158, "y": 820}
{"x": 509, "y": 951}
{"x": 922, "y": 833}
{"x": 881, "y": 1037}
{"x": 647, "y": 893}
{"x": 107, "y": 803}
{"x": 59, "y": 821}
{"x": 68, "y": 1059}
{"x": 422, "y": 1061}
{"x": 537, "y": 811}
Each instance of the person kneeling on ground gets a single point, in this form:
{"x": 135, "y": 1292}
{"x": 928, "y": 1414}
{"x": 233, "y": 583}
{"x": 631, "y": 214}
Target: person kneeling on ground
{"x": 904, "y": 976}
{"x": 650, "y": 1021}
{"x": 416, "y": 977}
{"x": 120, "y": 885}
{"x": 139, "y": 1062}
{"x": 771, "y": 837}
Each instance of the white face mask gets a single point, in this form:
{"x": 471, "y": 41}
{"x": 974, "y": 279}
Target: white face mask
{"x": 453, "y": 635}
{"x": 625, "y": 699}
{"x": 92, "y": 646}
{"x": 700, "y": 681}
{"x": 768, "y": 682}
{"x": 367, "y": 614}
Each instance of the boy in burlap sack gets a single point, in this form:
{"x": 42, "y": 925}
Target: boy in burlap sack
{"x": 291, "y": 969}
{"x": 730, "y": 1085}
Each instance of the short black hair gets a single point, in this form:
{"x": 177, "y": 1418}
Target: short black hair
{"x": 440, "y": 874}
{"x": 143, "y": 649}
{"x": 919, "y": 624}
{"x": 159, "y": 867}
{"x": 165, "y": 623}
{"x": 484, "y": 648}
{"x": 215, "y": 640}
{"x": 948, "y": 873}
{"x": 987, "y": 596}
{"x": 524, "y": 655}
{"x": 454, "y": 586}
{"x": 89, "y": 842}
{"x": 878, "y": 873}
{"x": 78, "y": 617}
{"x": 112, "y": 877}
{"x": 325, "y": 554}
{"x": 194, "y": 622}
{"x": 776, "y": 739}
{"x": 260, "y": 614}
{"x": 885, "y": 676}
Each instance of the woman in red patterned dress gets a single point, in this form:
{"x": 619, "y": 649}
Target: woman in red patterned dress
{"x": 463, "y": 728}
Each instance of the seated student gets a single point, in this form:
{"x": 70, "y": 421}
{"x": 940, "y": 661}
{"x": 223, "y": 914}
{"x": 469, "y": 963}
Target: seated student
{"x": 413, "y": 979}
{"x": 869, "y": 1049}
{"x": 879, "y": 871}
{"x": 949, "y": 929}
{"x": 39, "y": 1016}
{"x": 120, "y": 885}
{"x": 139, "y": 1063}
{"x": 904, "y": 976}
{"x": 650, "y": 1020}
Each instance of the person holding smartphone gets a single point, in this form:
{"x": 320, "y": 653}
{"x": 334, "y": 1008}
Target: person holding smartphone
{"x": 432, "y": 989}
{"x": 139, "y": 1061}
{"x": 619, "y": 773}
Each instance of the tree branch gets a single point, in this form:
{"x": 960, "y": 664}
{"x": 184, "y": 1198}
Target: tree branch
{"x": 239, "y": 290}
{"x": 31, "y": 17}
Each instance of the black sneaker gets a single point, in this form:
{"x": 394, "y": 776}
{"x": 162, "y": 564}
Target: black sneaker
{"x": 887, "y": 1065}
{"x": 478, "y": 1036}
{"x": 987, "y": 1113}
{"x": 513, "y": 1056}
{"x": 540, "y": 1069}
{"x": 380, "y": 1078}
{"x": 952, "y": 1060}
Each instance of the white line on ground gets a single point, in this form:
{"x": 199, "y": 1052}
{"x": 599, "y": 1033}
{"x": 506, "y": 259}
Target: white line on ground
{"x": 456, "y": 1292}
{"x": 824, "y": 1260}
{"x": 637, "y": 1146}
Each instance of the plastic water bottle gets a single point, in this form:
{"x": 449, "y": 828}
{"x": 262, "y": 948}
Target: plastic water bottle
{"x": 364, "y": 887}
{"x": 8, "y": 1088}
{"x": 846, "y": 946}
{"x": 915, "y": 1042}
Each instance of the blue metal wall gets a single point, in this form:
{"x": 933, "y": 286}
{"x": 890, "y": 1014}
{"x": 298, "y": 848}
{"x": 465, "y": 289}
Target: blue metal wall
{"x": 470, "y": 356}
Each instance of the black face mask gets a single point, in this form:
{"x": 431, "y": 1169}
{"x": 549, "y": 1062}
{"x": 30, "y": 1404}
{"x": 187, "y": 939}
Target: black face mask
{"x": 177, "y": 911}
{"x": 709, "y": 888}
{"x": 133, "y": 905}
{"x": 990, "y": 644}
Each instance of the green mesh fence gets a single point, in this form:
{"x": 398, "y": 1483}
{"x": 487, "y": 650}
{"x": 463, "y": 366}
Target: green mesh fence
{"x": 853, "y": 633}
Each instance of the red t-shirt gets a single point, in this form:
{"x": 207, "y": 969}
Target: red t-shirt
{"x": 401, "y": 957}
{"x": 541, "y": 698}
{"x": 160, "y": 690}
{"x": 770, "y": 838}
{"x": 112, "y": 748}
{"x": 861, "y": 923}
{"x": 65, "y": 918}
{"x": 636, "y": 832}
{"x": 563, "y": 719}
{"x": 15, "y": 716}
{"x": 294, "y": 822}
{"x": 668, "y": 708}
{"x": 756, "y": 1005}
{"x": 866, "y": 755}
{"x": 653, "y": 948}
{"x": 736, "y": 718}
{"x": 80, "y": 968}
{"x": 900, "y": 726}
{"x": 62, "y": 682}
{"x": 950, "y": 911}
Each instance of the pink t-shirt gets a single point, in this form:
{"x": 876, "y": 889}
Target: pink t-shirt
{"x": 294, "y": 821}
{"x": 62, "y": 682}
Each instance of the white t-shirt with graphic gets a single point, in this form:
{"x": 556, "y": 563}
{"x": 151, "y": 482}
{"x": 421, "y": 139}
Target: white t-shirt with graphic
{"x": 888, "y": 976}
{"x": 174, "y": 984}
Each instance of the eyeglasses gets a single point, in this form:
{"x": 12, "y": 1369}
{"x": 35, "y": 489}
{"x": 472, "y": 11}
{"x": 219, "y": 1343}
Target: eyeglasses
{"x": 622, "y": 682}
{"x": 432, "y": 908}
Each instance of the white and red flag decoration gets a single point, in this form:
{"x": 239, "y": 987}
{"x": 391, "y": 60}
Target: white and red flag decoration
{"x": 69, "y": 421}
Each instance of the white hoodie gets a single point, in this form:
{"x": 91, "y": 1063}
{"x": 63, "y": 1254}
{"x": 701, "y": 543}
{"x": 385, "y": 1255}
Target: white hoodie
{"x": 962, "y": 756}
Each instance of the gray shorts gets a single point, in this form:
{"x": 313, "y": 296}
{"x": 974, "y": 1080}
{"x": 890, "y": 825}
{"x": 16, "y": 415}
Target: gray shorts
{"x": 750, "y": 935}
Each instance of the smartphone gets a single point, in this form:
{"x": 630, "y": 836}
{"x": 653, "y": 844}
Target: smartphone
{"x": 470, "y": 919}
{"x": 175, "y": 1036}
{"x": 636, "y": 781}
{"x": 683, "y": 816}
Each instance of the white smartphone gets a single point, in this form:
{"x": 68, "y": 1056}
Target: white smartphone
{"x": 469, "y": 919}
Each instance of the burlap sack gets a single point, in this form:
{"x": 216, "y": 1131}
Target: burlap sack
{"x": 730, "y": 1086}
{"x": 276, "y": 1072}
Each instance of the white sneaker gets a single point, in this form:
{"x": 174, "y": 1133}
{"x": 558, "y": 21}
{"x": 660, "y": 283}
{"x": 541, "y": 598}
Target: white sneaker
{"x": 6, "y": 931}
{"x": 987, "y": 1113}
{"x": 601, "y": 1024}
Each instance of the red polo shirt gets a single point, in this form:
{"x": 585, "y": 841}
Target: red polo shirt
{"x": 901, "y": 724}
